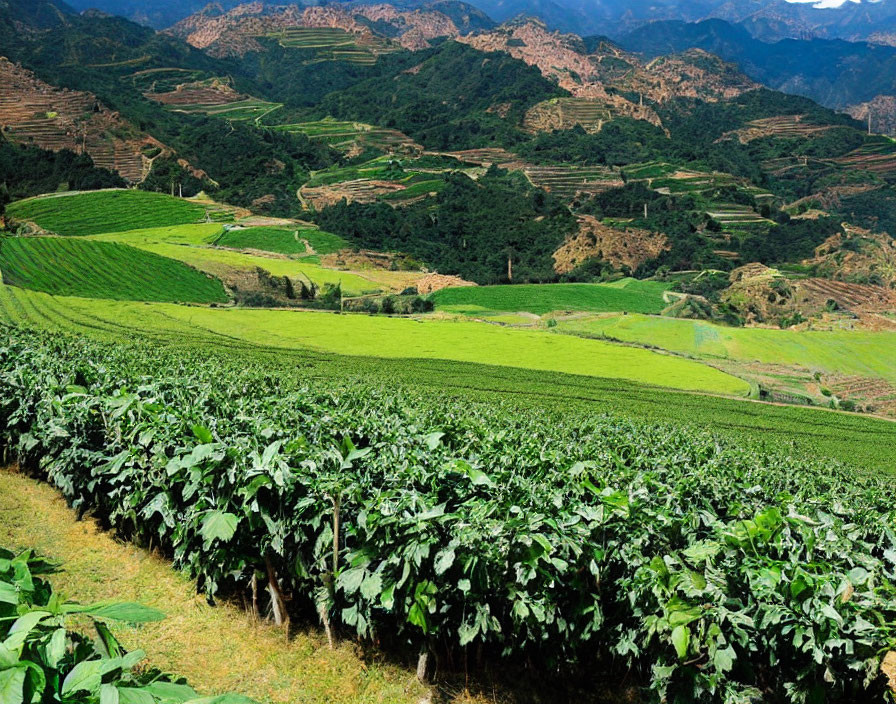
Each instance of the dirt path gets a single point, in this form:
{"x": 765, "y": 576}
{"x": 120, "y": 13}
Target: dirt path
{"x": 216, "y": 648}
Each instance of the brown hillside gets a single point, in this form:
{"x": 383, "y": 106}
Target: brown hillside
{"x": 629, "y": 247}
{"x": 36, "y": 113}
{"x": 857, "y": 255}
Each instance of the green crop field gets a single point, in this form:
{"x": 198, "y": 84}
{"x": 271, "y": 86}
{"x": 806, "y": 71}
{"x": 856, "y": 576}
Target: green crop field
{"x": 284, "y": 240}
{"x": 625, "y": 295}
{"x": 396, "y": 338}
{"x": 861, "y": 441}
{"x": 106, "y": 211}
{"x": 77, "y": 267}
{"x": 844, "y": 352}
{"x": 562, "y": 533}
{"x": 191, "y": 244}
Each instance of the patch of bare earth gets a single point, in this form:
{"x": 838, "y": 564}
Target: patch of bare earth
{"x": 629, "y": 247}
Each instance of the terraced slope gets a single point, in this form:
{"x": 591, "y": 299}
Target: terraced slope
{"x": 93, "y": 213}
{"x": 283, "y": 240}
{"x": 624, "y": 295}
{"x": 77, "y": 267}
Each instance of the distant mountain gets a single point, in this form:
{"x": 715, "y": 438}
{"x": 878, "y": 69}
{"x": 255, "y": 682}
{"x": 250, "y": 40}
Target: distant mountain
{"x": 833, "y": 72}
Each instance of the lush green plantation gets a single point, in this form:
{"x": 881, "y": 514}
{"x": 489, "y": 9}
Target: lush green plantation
{"x": 76, "y": 267}
{"x": 683, "y": 558}
{"x": 106, "y": 211}
{"x": 625, "y": 295}
{"x": 844, "y": 352}
{"x": 284, "y": 240}
{"x": 391, "y": 338}
{"x": 239, "y": 110}
{"x": 191, "y": 244}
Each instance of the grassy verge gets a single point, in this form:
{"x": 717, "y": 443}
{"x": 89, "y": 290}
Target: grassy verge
{"x": 216, "y": 648}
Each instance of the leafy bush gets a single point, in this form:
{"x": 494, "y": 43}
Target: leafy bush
{"x": 716, "y": 572}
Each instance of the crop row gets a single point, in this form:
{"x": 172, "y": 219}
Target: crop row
{"x": 716, "y": 573}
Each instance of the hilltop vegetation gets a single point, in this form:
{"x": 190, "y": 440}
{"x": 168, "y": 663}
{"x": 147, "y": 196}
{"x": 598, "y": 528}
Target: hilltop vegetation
{"x": 94, "y": 213}
{"x": 445, "y": 97}
{"x": 478, "y": 226}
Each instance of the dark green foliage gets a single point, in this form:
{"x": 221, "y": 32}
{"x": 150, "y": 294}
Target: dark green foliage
{"x": 622, "y": 141}
{"x": 471, "y": 228}
{"x": 565, "y": 537}
{"x": 788, "y": 242}
{"x": 444, "y": 103}
{"x": 30, "y": 171}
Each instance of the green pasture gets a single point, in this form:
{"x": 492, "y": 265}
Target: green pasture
{"x": 628, "y": 294}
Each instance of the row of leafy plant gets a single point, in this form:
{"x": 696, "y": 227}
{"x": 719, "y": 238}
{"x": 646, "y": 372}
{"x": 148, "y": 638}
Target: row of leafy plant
{"x": 42, "y": 659}
{"x": 713, "y": 572}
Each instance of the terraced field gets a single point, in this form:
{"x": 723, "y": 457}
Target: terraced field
{"x": 877, "y": 156}
{"x": 77, "y": 267}
{"x": 625, "y": 295}
{"x": 333, "y": 44}
{"x": 80, "y": 214}
{"x": 567, "y": 182}
{"x": 283, "y": 240}
{"x": 566, "y": 113}
{"x": 347, "y": 136}
{"x": 867, "y": 354}
{"x": 191, "y": 244}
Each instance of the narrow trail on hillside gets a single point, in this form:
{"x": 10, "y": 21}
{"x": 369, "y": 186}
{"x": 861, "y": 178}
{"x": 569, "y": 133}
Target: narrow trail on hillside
{"x": 217, "y": 648}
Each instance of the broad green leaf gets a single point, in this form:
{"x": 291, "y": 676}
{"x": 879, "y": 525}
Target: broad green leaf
{"x": 433, "y": 439}
{"x": 12, "y": 684}
{"x": 25, "y": 623}
{"x": 203, "y": 434}
{"x": 681, "y": 637}
{"x": 8, "y": 593}
{"x": 56, "y": 647}
{"x": 350, "y": 580}
{"x": 218, "y": 525}
{"x": 724, "y": 659}
{"x": 170, "y": 693}
{"x": 109, "y": 694}
{"x": 134, "y": 695}
{"x": 124, "y": 611}
{"x": 444, "y": 560}
{"x": 84, "y": 677}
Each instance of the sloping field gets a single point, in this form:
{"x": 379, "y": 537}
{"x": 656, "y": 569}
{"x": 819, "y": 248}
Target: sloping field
{"x": 192, "y": 244}
{"x": 334, "y": 44}
{"x": 96, "y": 212}
{"x": 628, "y": 295}
{"x": 283, "y": 240}
{"x": 359, "y": 335}
{"x": 878, "y": 157}
{"x": 76, "y": 267}
{"x": 349, "y": 135}
{"x": 842, "y": 352}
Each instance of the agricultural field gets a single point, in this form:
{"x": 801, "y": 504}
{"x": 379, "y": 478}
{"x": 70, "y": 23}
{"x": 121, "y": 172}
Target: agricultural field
{"x": 847, "y": 351}
{"x": 283, "y": 240}
{"x": 93, "y": 213}
{"x": 388, "y": 338}
{"x": 75, "y": 267}
{"x": 334, "y": 44}
{"x": 877, "y": 155}
{"x": 245, "y": 109}
{"x": 628, "y": 295}
{"x": 350, "y": 136}
{"x": 193, "y": 245}
{"x": 690, "y": 547}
